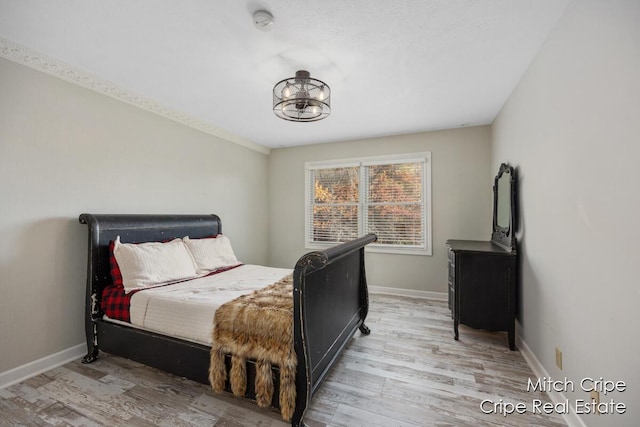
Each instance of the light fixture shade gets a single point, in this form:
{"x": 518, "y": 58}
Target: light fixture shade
{"x": 301, "y": 98}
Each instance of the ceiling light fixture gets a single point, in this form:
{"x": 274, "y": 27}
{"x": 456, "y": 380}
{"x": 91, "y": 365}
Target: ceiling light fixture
{"x": 301, "y": 98}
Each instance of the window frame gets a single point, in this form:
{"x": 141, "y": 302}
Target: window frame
{"x": 362, "y": 163}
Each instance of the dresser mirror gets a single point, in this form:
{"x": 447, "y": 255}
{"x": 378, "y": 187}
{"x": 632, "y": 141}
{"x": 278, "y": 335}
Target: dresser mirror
{"x": 504, "y": 207}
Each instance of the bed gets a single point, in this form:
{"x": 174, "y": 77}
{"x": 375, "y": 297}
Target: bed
{"x": 330, "y": 303}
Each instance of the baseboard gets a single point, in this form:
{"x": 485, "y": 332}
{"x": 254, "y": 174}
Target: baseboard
{"x": 572, "y": 419}
{"x": 31, "y": 369}
{"x": 408, "y": 292}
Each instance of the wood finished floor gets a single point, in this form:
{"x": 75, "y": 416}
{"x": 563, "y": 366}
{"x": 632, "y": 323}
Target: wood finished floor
{"x": 408, "y": 372}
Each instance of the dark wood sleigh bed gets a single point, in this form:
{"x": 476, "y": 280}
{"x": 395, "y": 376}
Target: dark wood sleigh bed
{"x": 330, "y": 302}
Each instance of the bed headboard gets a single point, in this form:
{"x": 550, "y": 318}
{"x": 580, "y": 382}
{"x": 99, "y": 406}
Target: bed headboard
{"x": 134, "y": 229}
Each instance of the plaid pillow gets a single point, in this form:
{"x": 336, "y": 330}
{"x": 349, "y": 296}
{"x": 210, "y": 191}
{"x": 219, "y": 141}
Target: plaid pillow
{"x": 116, "y": 276}
{"x": 115, "y": 303}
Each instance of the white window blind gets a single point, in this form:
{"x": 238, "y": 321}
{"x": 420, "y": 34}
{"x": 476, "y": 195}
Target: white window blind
{"x": 388, "y": 196}
{"x": 335, "y": 207}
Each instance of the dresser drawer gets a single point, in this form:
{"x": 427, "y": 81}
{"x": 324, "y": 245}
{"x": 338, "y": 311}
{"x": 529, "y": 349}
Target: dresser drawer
{"x": 451, "y": 280}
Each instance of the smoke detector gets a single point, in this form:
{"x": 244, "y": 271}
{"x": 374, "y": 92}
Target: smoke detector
{"x": 263, "y": 20}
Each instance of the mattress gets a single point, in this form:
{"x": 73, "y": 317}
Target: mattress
{"x": 185, "y": 310}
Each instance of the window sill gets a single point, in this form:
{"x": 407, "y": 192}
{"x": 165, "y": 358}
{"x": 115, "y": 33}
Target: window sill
{"x": 376, "y": 249}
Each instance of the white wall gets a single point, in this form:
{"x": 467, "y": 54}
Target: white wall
{"x": 461, "y": 197}
{"x": 65, "y": 150}
{"x": 572, "y": 129}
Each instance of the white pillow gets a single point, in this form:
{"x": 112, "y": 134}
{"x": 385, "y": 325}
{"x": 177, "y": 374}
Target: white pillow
{"x": 211, "y": 254}
{"x": 147, "y": 264}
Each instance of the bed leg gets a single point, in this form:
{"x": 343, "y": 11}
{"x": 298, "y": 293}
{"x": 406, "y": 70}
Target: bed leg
{"x": 296, "y": 421}
{"x": 92, "y": 343}
{"x": 364, "y": 329}
{"x": 91, "y": 356}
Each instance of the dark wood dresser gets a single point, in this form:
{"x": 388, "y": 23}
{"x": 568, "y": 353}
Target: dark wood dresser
{"x": 482, "y": 274}
{"x": 482, "y": 286}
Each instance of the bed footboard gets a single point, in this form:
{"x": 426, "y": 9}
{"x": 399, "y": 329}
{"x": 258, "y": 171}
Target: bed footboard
{"x": 330, "y": 302}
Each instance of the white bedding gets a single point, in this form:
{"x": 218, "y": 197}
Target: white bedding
{"x": 185, "y": 310}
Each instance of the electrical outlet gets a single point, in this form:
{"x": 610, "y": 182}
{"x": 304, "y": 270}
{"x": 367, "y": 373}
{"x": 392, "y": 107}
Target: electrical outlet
{"x": 595, "y": 399}
{"x": 559, "y": 358}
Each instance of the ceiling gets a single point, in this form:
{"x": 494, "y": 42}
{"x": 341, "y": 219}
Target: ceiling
{"x": 394, "y": 66}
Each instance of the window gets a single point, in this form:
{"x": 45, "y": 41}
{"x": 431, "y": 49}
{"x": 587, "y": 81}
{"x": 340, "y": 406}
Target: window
{"x": 389, "y": 196}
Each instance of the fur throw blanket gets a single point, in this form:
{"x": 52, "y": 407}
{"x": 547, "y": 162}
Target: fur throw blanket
{"x": 257, "y": 326}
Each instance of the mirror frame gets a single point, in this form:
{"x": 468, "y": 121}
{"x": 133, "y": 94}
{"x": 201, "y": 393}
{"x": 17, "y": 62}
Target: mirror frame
{"x": 505, "y": 236}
